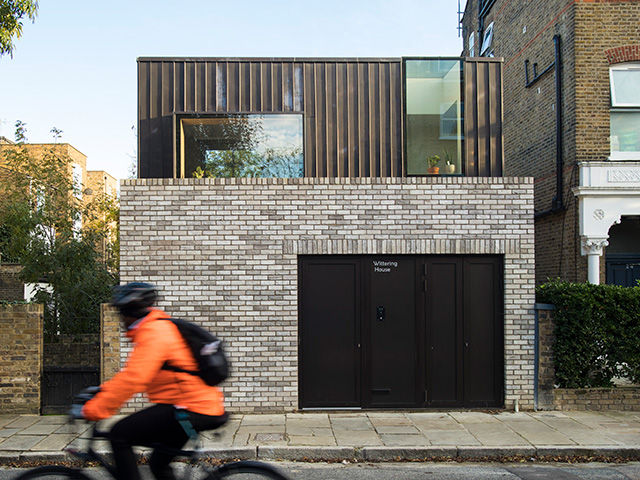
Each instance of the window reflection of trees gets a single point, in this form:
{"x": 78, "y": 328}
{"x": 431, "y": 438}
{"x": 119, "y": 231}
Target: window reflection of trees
{"x": 242, "y": 146}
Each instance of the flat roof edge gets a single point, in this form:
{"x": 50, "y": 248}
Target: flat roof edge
{"x": 270, "y": 59}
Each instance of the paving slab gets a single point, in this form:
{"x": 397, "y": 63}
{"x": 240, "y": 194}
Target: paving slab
{"x": 309, "y": 431}
{"x": 356, "y": 438}
{"x": 577, "y": 432}
{"x": 263, "y": 420}
{"x": 451, "y": 438}
{"x": 495, "y": 434}
{"x": 23, "y": 421}
{"x": 253, "y": 429}
{"x": 351, "y": 423}
{"x": 435, "y": 422}
{"x": 473, "y": 417}
{"x": 53, "y": 420}
{"x": 308, "y": 419}
{"x": 40, "y": 429}
{"x": 54, "y": 442}
{"x": 20, "y": 443}
{"x": 536, "y": 432}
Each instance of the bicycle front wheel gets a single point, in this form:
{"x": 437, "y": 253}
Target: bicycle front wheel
{"x": 53, "y": 472}
{"x": 246, "y": 471}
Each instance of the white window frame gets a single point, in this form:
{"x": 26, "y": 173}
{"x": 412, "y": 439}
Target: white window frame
{"x": 625, "y": 67}
{"x": 617, "y": 106}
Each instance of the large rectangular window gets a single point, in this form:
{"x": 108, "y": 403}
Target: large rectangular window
{"x": 434, "y": 116}
{"x": 625, "y": 111}
{"x": 240, "y": 145}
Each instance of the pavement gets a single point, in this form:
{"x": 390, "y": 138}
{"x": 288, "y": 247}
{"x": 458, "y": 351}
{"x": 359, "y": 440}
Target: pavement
{"x": 366, "y": 436}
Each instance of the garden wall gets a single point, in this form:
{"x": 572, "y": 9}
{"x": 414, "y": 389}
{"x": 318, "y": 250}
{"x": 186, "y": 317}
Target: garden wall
{"x": 624, "y": 398}
{"x": 21, "y": 350}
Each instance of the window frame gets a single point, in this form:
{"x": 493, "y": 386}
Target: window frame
{"x": 178, "y": 133}
{"x": 621, "y": 67}
{"x": 620, "y": 107}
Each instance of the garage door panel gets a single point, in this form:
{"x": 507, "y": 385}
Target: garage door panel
{"x": 329, "y": 334}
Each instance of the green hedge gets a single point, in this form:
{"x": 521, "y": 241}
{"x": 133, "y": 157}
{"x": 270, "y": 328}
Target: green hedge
{"x": 597, "y": 336}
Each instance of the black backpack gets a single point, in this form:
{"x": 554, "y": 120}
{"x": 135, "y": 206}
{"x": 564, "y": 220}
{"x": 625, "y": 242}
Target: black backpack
{"x": 213, "y": 366}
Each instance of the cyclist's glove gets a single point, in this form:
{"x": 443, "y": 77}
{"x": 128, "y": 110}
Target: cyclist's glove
{"x": 85, "y": 395}
{"x": 76, "y": 411}
{"x": 80, "y": 399}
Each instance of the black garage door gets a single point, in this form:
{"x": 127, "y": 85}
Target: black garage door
{"x": 401, "y": 331}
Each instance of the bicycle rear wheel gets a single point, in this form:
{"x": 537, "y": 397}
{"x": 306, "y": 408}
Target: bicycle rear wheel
{"x": 246, "y": 470}
{"x": 53, "y": 472}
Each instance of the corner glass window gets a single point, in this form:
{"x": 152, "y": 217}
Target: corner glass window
{"x": 240, "y": 145}
{"x": 434, "y": 116}
{"x": 625, "y": 111}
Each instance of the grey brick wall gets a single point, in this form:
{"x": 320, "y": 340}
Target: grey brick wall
{"x": 225, "y": 253}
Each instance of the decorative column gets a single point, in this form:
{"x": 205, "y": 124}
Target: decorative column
{"x": 592, "y": 248}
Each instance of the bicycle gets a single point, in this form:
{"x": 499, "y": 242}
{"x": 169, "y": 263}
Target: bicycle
{"x": 196, "y": 467}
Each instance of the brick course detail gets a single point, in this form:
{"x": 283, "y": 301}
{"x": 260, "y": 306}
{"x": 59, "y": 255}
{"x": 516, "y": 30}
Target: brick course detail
{"x": 21, "y": 351}
{"x": 225, "y": 254}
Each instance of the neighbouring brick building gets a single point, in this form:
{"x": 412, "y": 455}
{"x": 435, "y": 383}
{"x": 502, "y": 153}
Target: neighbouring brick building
{"x": 571, "y": 121}
{"x": 87, "y": 182}
{"x": 340, "y": 272}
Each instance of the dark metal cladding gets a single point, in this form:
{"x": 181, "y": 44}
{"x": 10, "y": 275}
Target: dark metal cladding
{"x": 353, "y": 121}
{"x": 484, "y": 150}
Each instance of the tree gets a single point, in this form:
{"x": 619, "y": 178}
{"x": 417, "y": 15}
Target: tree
{"x": 55, "y": 233}
{"x": 11, "y": 14}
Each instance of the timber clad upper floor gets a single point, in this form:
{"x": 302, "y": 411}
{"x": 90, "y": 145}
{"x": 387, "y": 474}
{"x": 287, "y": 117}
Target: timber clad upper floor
{"x": 342, "y": 117}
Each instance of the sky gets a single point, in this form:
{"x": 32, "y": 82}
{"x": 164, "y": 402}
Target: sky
{"x": 74, "y": 68}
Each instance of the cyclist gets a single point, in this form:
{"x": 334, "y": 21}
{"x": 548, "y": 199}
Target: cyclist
{"x": 178, "y": 396}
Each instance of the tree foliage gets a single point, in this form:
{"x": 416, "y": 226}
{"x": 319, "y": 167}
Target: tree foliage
{"x": 11, "y": 14}
{"x": 58, "y": 235}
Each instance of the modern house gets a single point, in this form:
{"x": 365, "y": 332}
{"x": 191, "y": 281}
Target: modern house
{"x": 287, "y": 205}
{"x": 571, "y": 121}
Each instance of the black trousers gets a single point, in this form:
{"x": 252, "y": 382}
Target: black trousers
{"x": 152, "y": 426}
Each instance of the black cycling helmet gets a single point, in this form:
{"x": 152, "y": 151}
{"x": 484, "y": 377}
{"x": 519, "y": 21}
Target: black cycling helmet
{"x": 134, "y": 299}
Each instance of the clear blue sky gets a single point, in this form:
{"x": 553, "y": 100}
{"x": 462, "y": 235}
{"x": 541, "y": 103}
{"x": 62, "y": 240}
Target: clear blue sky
{"x": 75, "y": 67}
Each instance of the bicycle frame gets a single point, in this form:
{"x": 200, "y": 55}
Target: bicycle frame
{"x": 91, "y": 455}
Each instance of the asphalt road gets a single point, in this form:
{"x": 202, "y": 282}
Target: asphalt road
{"x": 428, "y": 471}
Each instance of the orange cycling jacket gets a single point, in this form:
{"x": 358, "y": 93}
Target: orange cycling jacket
{"x": 156, "y": 341}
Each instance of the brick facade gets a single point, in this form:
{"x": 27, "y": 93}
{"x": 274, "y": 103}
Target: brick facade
{"x": 110, "y": 340}
{"x": 11, "y": 287}
{"x": 21, "y": 351}
{"x": 592, "y": 35}
{"x": 225, "y": 253}
{"x": 597, "y": 399}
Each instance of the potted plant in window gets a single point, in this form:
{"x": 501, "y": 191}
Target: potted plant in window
{"x": 450, "y": 167}
{"x": 433, "y": 161}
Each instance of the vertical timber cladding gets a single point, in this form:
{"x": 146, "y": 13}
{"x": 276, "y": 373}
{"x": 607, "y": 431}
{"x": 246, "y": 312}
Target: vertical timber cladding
{"x": 352, "y": 108}
{"x": 404, "y": 331}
